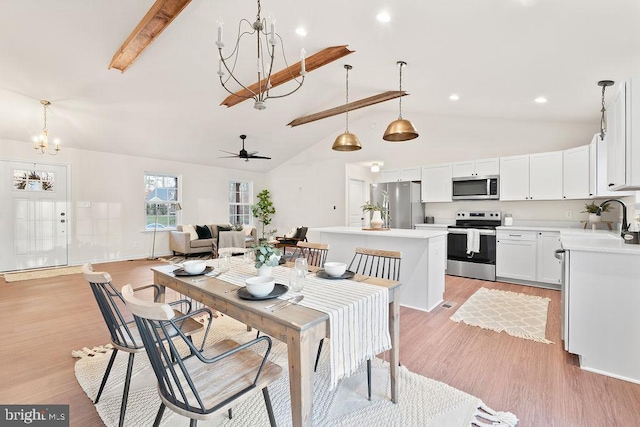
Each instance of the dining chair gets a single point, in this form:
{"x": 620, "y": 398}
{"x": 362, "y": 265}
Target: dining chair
{"x": 207, "y": 380}
{"x": 124, "y": 332}
{"x": 374, "y": 263}
{"x": 315, "y": 253}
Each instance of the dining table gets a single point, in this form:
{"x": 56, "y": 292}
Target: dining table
{"x": 300, "y": 327}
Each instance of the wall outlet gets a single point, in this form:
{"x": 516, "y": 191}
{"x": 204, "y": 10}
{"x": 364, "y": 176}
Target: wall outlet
{"x": 568, "y": 214}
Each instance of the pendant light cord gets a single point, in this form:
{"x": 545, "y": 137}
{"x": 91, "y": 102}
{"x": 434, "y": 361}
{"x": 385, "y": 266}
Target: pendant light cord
{"x": 347, "y": 67}
{"x": 603, "y": 118}
{"x": 401, "y": 64}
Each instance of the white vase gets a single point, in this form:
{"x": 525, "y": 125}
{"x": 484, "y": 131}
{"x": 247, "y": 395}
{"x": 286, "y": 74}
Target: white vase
{"x": 265, "y": 270}
{"x": 594, "y": 218}
{"x": 376, "y": 220}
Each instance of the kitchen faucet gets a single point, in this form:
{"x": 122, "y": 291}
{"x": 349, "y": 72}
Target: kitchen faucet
{"x": 624, "y": 227}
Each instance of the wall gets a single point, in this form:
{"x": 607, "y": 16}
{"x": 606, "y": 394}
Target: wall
{"x": 112, "y": 226}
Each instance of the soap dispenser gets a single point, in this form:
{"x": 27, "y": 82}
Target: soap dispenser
{"x": 508, "y": 219}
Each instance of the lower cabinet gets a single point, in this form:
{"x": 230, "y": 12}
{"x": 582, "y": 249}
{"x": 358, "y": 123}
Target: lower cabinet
{"x": 528, "y": 257}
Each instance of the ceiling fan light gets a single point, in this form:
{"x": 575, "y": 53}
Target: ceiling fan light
{"x": 399, "y": 131}
{"x": 346, "y": 142}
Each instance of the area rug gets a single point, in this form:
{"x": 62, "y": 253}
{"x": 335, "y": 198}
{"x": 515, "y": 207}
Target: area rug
{"x": 519, "y": 315}
{"x": 41, "y": 273}
{"x": 422, "y": 401}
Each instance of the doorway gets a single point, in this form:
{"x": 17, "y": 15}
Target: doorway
{"x": 35, "y": 215}
{"x": 356, "y": 200}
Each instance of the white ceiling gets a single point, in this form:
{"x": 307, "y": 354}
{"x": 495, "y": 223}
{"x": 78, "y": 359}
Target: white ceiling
{"x": 498, "y": 55}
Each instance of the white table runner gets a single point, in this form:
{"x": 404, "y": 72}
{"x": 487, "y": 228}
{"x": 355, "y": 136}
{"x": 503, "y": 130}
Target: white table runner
{"x": 358, "y": 314}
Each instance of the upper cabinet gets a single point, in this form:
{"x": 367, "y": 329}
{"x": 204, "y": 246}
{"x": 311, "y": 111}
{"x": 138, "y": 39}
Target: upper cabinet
{"x": 394, "y": 175}
{"x": 436, "y": 183}
{"x": 623, "y": 137}
{"x": 576, "y": 182}
{"x": 482, "y": 167}
{"x": 531, "y": 177}
{"x": 598, "y": 182}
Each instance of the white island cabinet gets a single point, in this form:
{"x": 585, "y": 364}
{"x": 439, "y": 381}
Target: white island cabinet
{"x": 422, "y": 265}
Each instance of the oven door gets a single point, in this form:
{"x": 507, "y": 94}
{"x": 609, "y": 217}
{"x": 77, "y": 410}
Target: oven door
{"x": 457, "y": 246}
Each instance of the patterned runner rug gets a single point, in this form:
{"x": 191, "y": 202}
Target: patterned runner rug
{"x": 519, "y": 315}
{"x": 422, "y": 401}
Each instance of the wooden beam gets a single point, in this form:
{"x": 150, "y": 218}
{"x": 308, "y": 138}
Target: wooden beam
{"x": 313, "y": 62}
{"x": 375, "y": 99}
{"x": 161, "y": 14}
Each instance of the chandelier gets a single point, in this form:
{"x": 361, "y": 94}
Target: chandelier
{"x": 41, "y": 142}
{"x": 266, "y": 42}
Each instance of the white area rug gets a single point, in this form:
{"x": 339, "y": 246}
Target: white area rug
{"x": 423, "y": 402}
{"x": 519, "y": 315}
{"x": 39, "y": 274}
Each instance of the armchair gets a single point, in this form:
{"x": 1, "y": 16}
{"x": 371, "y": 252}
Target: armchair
{"x": 299, "y": 236}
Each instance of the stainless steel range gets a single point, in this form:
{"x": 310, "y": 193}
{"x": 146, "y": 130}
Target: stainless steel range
{"x": 477, "y": 265}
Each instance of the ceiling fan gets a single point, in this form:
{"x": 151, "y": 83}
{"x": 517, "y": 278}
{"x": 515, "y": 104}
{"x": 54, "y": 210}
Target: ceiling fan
{"x": 244, "y": 154}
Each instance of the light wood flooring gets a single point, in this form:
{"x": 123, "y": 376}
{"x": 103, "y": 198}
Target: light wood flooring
{"x": 43, "y": 320}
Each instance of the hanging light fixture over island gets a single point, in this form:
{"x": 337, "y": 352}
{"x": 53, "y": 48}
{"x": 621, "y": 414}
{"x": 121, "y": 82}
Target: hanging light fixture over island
{"x": 347, "y": 141}
{"x": 400, "y": 130}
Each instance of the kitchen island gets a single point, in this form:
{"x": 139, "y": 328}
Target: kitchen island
{"x": 423, "y": 258}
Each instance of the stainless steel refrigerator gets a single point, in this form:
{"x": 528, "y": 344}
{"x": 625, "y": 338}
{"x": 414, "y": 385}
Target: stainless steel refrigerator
{"x": 405, "y": 207}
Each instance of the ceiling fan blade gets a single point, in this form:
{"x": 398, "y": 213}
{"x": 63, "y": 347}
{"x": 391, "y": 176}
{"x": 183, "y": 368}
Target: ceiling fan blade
{"x": 228, "y": 157}
{"x": 259, "y": 157}
{"x": 229, "y": 152}
{"x": 252, "y": 153}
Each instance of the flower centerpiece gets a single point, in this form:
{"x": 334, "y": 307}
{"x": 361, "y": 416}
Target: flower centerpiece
{"x": 267, "y": 257}
{"x": 592, "y": 210}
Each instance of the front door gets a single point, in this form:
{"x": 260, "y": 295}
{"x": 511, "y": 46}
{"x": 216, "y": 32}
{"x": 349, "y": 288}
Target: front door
{"x": 34, "y": 215}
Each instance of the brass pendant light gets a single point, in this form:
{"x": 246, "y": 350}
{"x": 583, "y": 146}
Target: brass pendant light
{"x": 400, "y": 130}
{"x": 347, "y": 141}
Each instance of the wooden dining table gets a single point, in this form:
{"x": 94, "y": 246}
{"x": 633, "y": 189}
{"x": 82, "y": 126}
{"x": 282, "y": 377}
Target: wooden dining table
{"x": 301, "y": 328}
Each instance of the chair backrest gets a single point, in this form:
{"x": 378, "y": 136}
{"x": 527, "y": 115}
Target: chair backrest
{"x": 111, "y": 306}
{"x": 315, "y": 253}
{"x": 302, "y": 234}
{"x": 376, "y": 263}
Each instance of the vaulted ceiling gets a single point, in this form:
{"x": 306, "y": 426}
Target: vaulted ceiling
{"x": 498, "y": 55}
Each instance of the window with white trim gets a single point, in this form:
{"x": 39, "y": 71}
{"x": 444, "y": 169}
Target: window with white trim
{"x": 240, "y": 195}
{"x": 161, "y": 205}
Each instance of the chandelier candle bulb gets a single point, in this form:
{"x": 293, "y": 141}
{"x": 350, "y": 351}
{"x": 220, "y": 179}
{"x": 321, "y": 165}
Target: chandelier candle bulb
{"x": 303, "y": 55}
{"x": 220, "y": 44}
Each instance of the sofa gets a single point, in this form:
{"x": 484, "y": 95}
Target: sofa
{"x": 186, "y": 240}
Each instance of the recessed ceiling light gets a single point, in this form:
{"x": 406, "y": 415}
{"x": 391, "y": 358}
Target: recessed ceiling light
{"x": 301, "y": 31}
{"x": 454, "y": 97}
{"x": 540, "y": 100}
{"x": 383, "y": 17}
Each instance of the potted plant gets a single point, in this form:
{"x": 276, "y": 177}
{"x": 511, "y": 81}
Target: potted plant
{"x": 376, "y": 213}
{"x": 263, "y": 210}
{"x": 592, "y": 210}
{"x": 267, "y": 257}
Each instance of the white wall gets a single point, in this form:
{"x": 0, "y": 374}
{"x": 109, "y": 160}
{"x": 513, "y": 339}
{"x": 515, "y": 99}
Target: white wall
{"x": 112, "y": 227}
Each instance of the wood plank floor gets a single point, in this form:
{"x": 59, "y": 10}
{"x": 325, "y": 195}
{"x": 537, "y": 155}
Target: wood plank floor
{"x": 44, "y": 319}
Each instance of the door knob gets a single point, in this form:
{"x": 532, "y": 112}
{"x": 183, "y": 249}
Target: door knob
{"x": 62, "y": 221}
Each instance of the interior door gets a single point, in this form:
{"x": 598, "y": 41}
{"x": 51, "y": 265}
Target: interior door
{"x": 35, "y": 215}
{"x": 356, "y": 200}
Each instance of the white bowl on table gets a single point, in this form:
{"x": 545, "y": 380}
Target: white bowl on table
{"x": 195, "y": 266}
{"x": 260, "y": 286}
{"x": 335, "y": 269}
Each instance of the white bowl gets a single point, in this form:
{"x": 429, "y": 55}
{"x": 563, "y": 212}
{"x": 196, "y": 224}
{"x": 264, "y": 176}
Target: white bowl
{"x": 335, "y": 269}
{"x": 195, "y": 266}
{"x": 260, "y": 286}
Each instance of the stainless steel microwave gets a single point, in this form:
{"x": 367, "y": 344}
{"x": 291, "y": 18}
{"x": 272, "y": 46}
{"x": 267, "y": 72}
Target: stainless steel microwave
{"x": 476, "y": 188}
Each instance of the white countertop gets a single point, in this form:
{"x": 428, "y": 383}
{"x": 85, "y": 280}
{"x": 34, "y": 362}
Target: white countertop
{"x": 596, "y": 241}
{"x": 436, "y": 226}
{"x": 394, "y": 232}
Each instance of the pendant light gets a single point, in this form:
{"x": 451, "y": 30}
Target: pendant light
{"x": 400, "y": 130}
{"x": 347, "y": 141}
{"x": 603, "y": 118}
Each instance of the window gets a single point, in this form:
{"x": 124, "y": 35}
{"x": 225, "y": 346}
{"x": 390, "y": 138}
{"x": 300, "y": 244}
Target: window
{"x": 161, "y": 200}
{"x": 33, "y": 180}
{"x": 240, "y": 202}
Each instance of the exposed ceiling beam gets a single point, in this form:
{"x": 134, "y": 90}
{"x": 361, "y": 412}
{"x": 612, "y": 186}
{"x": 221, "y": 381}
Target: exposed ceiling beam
{"x": 161, "y": 14}
{"x": 375, "y": 99}
{"x": 312, "y": 62}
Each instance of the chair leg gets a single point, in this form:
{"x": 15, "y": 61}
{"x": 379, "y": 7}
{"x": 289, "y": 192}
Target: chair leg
{"x": 230, "y": 413}
{"x": 125, "y": 393}
{"x": 315, "y": 368}
{"x": 156, "y": 423}
{"x": 193, "y": 423}
{"x": 258, "y": 334}
{"x": 369, "y": 378}
{"x": 106, "y": 374}
{"x": 267, "y": 402}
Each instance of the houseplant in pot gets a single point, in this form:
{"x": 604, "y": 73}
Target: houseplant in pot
{"x": 592, "y": 209}
{"x": 263, "y": 210}
{"x": 376, "y": 213}
{"x": 267, "y": 257}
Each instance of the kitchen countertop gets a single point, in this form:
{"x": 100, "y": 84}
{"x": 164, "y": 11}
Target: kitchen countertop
{"x": 439, "y": 226}
{"x": 394, "y": 232}
{"x": 607, "y": 242}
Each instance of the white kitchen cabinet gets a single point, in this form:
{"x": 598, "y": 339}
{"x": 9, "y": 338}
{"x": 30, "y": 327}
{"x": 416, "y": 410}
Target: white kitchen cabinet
{"x": 436, "y": 183}
{"x": 531, "y": 177}
{"x": 394, "y": 175}
{"x": 514, "y": 178}
{"x": 598, "y": 183}
{"x": 547, "y": 265}
{"x": 481, "y": 167}
{"x": 623, "y": 137}
{"x": 576, "y": 173}
{"x": 516, "y": 253}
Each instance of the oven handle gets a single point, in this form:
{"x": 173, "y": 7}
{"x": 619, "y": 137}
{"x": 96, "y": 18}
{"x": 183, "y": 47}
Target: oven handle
{"x": 559, "y": 254}
{"x": 464, "y": 231}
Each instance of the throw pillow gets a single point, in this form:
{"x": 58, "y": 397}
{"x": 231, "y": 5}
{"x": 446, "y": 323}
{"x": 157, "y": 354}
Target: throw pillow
{"x": 248, "y": 229}
{"x": 203, "y": 232}
{"x": 292, "y": 233}
{"x": 193, "y": 235}
{"x": 223, "y": 228}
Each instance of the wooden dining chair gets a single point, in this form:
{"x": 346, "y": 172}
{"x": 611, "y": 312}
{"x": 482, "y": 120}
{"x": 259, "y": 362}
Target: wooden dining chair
{"x": 206, "y": 381}
{"x": 315, "y": 253}
{"x": 373, "y": 263}
{"x": 124, "y": 332}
